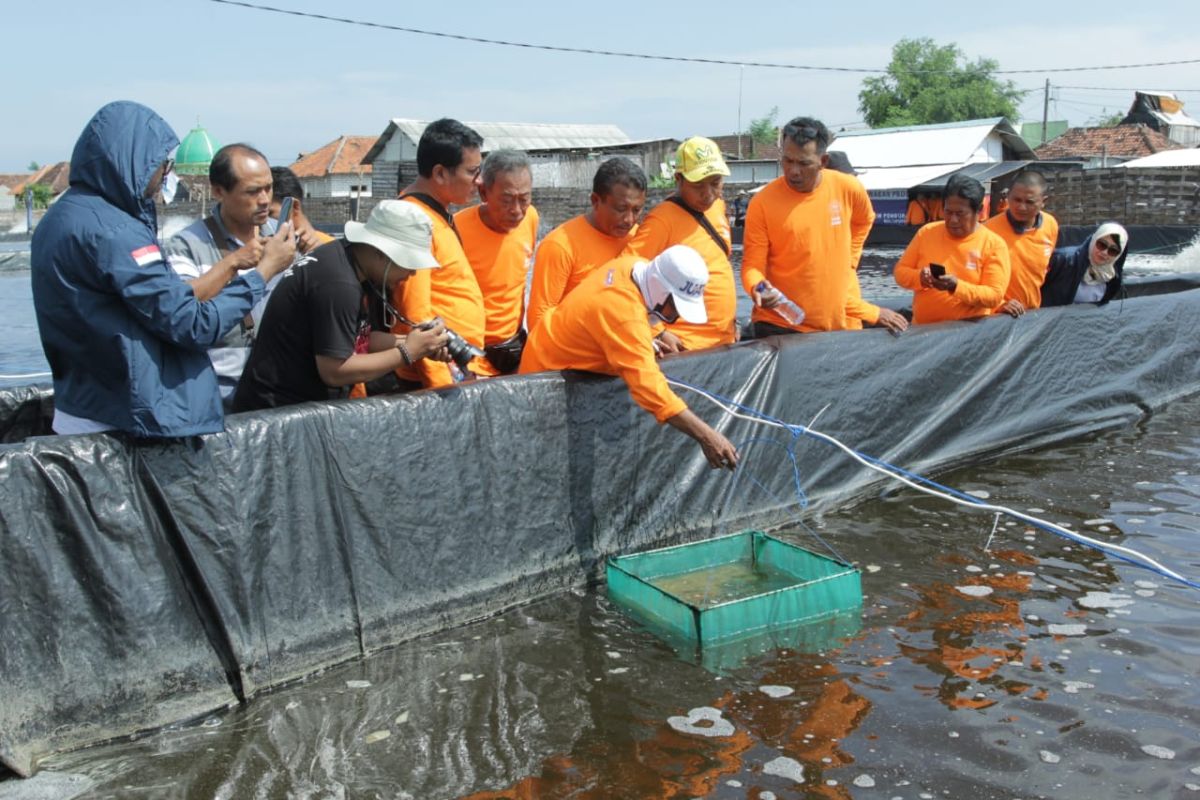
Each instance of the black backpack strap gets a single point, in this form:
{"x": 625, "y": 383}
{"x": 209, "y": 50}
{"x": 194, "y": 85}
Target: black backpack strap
{"x": 704, "y": 223}
{"x": 432, "y": 203}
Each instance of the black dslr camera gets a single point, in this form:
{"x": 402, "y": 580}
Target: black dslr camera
{"x": 461, "y": 350}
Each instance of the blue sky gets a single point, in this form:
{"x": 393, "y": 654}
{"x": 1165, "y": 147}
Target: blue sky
{"x": 289, "y": 85}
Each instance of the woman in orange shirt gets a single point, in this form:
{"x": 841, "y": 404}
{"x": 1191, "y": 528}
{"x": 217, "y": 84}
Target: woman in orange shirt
{"x": 956, "y": 269}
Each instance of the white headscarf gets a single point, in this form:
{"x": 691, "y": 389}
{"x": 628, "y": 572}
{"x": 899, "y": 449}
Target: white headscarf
{"x": 1103, "y": 273}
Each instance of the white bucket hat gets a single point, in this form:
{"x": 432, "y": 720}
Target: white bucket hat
{"x": 680, "y": 272}
{"x": 399, "y": 230}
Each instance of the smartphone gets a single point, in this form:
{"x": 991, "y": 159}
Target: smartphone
{"x": 285, "y": 210}
{"x": 937, "y": 270}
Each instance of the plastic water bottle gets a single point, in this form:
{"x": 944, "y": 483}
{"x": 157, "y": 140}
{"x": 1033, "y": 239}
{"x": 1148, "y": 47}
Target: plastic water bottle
{"x": 785, "y": 308}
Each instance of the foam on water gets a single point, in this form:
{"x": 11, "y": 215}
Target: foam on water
{"x": 784, "y": 767}
{"x": 703, "y": 721}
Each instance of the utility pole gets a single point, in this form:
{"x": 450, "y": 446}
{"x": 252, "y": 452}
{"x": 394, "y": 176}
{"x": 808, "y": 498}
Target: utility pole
{"x": 741, "y": 75}
{"x": 1045, "y": 110}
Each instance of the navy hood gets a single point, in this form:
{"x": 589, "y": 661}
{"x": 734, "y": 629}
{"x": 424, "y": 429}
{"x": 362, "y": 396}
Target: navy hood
{"x": 117, "y": 154}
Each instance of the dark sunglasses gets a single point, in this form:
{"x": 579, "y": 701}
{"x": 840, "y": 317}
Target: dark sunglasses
{"x": 1111, "y": 249}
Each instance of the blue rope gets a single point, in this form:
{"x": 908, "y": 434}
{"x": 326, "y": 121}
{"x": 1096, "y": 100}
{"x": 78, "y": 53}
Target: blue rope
{"x": 801, "y": 430}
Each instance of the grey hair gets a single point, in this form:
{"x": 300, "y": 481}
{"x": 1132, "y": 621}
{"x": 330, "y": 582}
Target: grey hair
{"x": 502, "y": 161}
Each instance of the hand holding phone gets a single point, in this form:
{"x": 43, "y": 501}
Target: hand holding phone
{"x": 285, "y": 210}
{"x": 937, "y": 270}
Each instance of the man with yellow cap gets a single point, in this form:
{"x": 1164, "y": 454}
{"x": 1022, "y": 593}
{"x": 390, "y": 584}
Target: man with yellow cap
{"x": 605, "y": 326}
{"x": 695, "y": 216}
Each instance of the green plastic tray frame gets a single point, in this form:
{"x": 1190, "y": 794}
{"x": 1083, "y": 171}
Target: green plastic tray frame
{"x": 823, "y": 586}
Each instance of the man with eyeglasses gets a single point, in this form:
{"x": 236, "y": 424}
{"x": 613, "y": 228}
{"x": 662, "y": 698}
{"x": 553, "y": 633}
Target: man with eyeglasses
{"x": 449, "y": 160}
{"x": 211, "y": 251}
{"x": 605, "y": 326}
{"x": 1030, "y": 233}
{"x": 803, "y": 240}
{"x": 570, "y": 252}
{"x": 498, "y": 236}
{"x": 125, "y": 337}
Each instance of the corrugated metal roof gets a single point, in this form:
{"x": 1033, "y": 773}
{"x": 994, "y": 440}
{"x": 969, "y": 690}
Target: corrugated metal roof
{"x": 883, "y": 178}
{"x": 527, "y": 136}
{"x": 917, "y": 145}
{"x": 1185, "y": 157}
{"x": 981, "y": 172}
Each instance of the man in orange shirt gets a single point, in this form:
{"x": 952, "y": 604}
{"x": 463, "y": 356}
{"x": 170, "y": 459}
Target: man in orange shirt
{"x": 804, "y": 238}
{"x": 1030, "y": 233}
{"x": 448, "y": 165}
{"x": 695, "y": 216}
{"x": 580, "y": 245}
{"x": 957, "y": 269}
{"x": 604, "y": 327}
{"x": 498, "y": 236}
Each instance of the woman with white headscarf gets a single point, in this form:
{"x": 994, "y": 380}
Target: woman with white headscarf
{"x": 1088, "y": 272}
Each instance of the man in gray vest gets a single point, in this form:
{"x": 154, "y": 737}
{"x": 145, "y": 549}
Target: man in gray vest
{"x": 212, "y": 251}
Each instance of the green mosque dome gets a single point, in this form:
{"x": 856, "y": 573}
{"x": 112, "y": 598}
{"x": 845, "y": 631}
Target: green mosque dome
{"x": 195, "y": 152}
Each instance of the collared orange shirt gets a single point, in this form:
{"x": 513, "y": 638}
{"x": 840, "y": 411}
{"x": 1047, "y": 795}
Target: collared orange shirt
{"x": 668, "y": 225}
{"x": 449, "y": 291}
{"x": 564, "y": 259}
{"x": 603, "y": 327}
{"x": 501, "y": 263}
{"x": 1029, "y": 255}
{"x": 807, "y": 245}
{"x": 979, "y": 261}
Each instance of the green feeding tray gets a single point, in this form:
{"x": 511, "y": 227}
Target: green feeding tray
{"x": 724, "y": 589}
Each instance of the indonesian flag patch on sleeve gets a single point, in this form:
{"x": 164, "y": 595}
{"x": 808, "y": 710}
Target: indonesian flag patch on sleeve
{"x": 146, "y": 255}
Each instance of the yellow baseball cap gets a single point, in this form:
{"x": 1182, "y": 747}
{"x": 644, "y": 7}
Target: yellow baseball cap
{"x": 698, "y": 158}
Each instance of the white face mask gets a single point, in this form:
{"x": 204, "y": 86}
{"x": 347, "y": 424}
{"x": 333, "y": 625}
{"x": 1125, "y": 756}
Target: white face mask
{"x": 170, "y": 185}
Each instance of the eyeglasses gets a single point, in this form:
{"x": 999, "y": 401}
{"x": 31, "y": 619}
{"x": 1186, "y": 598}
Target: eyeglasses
{"x": 1111, "y": 249}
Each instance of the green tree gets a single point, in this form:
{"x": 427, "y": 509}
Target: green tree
{"x": 41, "y": 196}
{"x": 33, "y": 166}
{"x": 926, "y": 83}
{"x": 1106, "y": 120}
{"x": 763, "y": 131}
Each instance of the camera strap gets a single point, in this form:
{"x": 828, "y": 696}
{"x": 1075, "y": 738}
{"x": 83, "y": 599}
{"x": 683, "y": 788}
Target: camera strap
{"x": 430, "y": 202}
{"x": 704, "y": 223}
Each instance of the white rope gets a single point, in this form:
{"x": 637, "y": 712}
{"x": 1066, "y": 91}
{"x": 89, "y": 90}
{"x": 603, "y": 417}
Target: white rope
{"x": 978, "y": 505}
{"x": 26, "y": 376}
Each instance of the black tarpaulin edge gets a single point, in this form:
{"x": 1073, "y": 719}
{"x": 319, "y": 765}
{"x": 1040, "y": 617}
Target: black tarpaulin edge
{"x": 149, "y": 582}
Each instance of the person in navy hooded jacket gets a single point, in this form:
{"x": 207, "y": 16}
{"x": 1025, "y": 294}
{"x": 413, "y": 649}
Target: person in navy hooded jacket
{"x": 125, "y": 337}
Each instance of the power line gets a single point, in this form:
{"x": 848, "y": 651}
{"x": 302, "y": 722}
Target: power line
{"x": 655, "y": 57}
{"x": 1115, "y": 89}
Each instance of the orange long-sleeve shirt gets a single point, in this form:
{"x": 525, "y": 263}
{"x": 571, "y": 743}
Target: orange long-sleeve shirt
{"x": 806, "y": 244}
{"x": 450, "y": 292}
{"x": 1029, "y": 256}
{"x": 667, "y": 225}
{"x": 501, "y": 263}
{"x": 979, "y": 261}
{"x": 564, "y": 258}
{"x": 603, "y": 328}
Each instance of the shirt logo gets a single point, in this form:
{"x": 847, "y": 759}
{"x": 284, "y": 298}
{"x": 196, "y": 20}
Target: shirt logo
{"x": 146, "y": 255}
{"x": 973, "y": 261}
{"x": 835, "y": 213}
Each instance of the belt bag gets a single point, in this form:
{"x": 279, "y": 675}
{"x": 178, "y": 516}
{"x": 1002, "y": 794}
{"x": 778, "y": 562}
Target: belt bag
{"x": 506, "y": 356}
